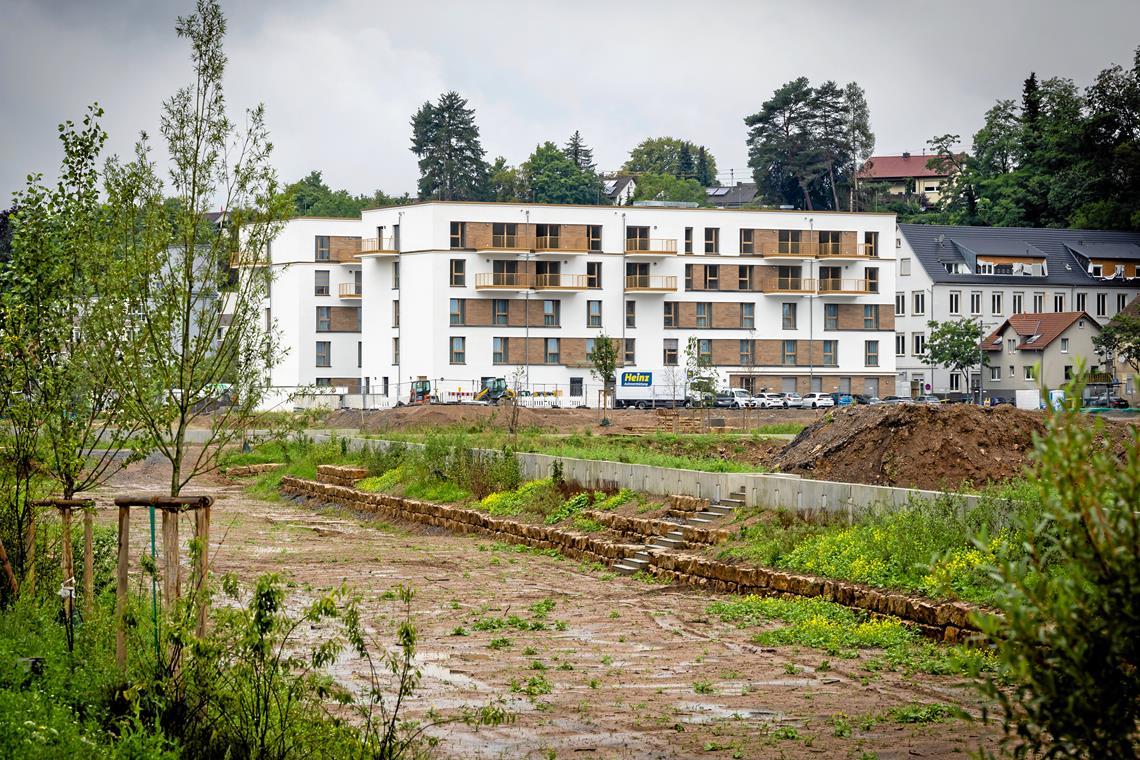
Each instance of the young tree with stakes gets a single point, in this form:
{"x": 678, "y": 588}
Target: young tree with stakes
{"x": 604, "y": 361}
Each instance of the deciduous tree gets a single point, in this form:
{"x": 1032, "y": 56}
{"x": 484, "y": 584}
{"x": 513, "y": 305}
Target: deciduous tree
{"x": 956, "y": 345}
{"x": 666, "y": 187}
{"x": 551, "y": 177}
{"x": 662, "y": 155}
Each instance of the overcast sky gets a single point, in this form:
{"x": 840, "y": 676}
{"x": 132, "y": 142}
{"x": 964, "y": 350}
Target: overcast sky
{"x": 340, "y": 78}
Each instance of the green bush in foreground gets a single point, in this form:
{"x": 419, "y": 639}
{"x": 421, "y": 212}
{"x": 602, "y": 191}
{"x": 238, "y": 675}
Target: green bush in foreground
{"x": 1069, "y": 633}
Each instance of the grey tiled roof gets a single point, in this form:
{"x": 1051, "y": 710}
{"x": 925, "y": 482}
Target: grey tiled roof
{"x": 935, "y": 245}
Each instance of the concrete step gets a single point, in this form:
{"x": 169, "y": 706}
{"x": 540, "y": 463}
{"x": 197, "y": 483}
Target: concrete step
{"x": 665, "y": 543}
{"x": 642, "y": 556}
{"x": 676, "y": 535}
{"x": 731, "y": 503}
{"x": 626, "y": 569}
{"x": 701, "y": 521}
{"x": 717, "y": 510}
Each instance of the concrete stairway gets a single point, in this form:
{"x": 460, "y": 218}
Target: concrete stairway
{"x": 675, "y": 539}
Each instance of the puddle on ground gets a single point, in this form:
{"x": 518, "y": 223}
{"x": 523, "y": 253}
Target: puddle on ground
{"x": 707, "y": 712}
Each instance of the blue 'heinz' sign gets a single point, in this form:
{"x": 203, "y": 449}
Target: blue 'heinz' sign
{"x": 637, "y": 379}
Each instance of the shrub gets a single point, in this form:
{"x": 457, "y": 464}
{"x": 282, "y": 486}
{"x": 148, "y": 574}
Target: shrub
{"x": 1069, "y": 633}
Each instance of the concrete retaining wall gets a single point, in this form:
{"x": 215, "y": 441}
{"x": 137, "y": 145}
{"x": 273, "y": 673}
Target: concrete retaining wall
{"x": 772, "y": 490}
{"x": 949, "y": 621}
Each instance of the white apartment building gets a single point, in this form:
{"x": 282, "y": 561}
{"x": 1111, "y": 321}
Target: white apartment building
{"x": 992, "y": 273}
{"x": 455, "y": 292}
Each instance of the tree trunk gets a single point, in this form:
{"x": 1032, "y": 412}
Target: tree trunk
{"x": 807, "y": 197}
{"x": 834, "y": 190}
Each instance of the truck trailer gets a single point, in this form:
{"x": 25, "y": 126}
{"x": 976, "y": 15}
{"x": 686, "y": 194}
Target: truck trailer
{"x": 649, "y": 389}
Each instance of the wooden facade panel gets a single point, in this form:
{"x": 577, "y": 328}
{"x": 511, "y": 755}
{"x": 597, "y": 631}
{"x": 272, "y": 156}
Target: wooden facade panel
{"x": 572, "y": 237}
{"x": 352, "y": 383}
{"x": 478, "y": 311}
{"x": 343, "y": 248}
{"x": 478, "y": 234}
{"x": 344, "y": 319}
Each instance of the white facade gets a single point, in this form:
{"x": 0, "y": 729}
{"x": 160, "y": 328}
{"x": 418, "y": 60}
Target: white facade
{"x": 920, "y": 300}
{"x": 404, "y": 260}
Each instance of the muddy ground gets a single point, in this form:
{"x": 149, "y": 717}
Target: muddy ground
{"x": 622, "y": 672}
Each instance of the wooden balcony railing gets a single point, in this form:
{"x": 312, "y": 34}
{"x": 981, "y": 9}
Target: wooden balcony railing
{"x": 378, "y": 245}
{"x": 349, "y": 290}
{"x": 503, "y": 280}
{"x": 855, "y": 287}
{"x": 648, "y": 283}
{"x": 560, "y": 282}
{"x": 520, "y": 241}
{"x": 659, "y": 246}
{"x": 548, "y": 243}
{"x": 788, "y": 285}
{"x": 840, "y": 251}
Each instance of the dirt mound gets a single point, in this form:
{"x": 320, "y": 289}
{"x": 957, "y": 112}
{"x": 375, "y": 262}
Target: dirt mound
{"x": 915, "y": 445}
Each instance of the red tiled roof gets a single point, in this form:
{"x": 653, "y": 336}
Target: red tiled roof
{"x": 1047, "y": 328}
{"x": 889, "y": 167}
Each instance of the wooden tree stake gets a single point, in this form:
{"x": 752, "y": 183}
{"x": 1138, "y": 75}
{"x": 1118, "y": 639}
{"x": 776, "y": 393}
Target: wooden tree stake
{"x": 121, "y": 588}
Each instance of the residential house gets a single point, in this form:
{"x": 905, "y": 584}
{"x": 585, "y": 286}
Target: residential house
{"x": 1028, "y": 351}
{"x": 905, "y": 174}
{"x": 732, "y": 196}
{"x": 619, "y": 189}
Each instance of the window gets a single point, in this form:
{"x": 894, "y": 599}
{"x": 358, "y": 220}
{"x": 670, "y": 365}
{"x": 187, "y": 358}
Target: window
{"x": 995, "y": 373}
{"x": 788, "y": 241}
{"x": 321, "y": 282}
{"x": 955, "y": 381}
{"x": 395, "y": 275}
{"x": 458, "y": 235}
{"x": 1121, "y": 301}
{"x": 1081, "y": 301}
{"x": 458, "y": 350}
{"x": 831, "y": 316}
{"x": 458, "y": 273}
{"x": 323, "y": 382}
{"x": 499, "y": 311}
{"x": 322, "y": 248}
{"x": 1018, "y": 303}
{"x": 458, "y": 311}
{"x": 1064, "y": 345}
{"x": 504, "y": 235}
{"x": 670, "y": 313}
{"x": 324, "y": 353}
{"x": 630, "y": 352}
{"x": 900, "y": 344}
{"x": 1038, "y": 303}
{"x": 324, "y": 319}
{"x": 789, "y": 352}
{"x": 955, "y": 302}
{"x": 1068, "y": 371}
{"x": 1012, "y": 372}
{"x": 396, "y": 313}
{"x": 688, "y": 277}
{"x": 712, "y": 240}
{"x": 575, "y": 386}
{"x": 631, "y": 313}
{"x": 1101, "y": 304}
{"x": 551, "y": 313}
{"x": 829, "y": 243}
{"x": 704, "y": 314}
{"x": 904, "y": 267}
{"x": 712, "y": 277}
{"x": 594, "y": 237}
{"x": 748, "y": 316}
{"x": 359, "y": 354}
{"x": 830, "y": 353}
{"x": 747, "y": 357}
{"x": 552, "y": 352}
{"x": 871, "y": 316}
{"x": 919, "y": 303}
{"x": 590, "y": 343}
{"x": 871, "y": 279}
{"x": 1058, "y": 302}
{"x": 704, "y": 351}
{"x": 747, "y": 241}
{"x": 1097, "y": 270}
{"x": 688, "y": 240}
{"x": 593, "y": 313}
{"x": 593, "y": 274}
{"x": 871, "y": 244}
{"x": 499, "y": 351}
{"x": 789, "y": 316}
{"x": 1011, "y": 345}
{"x": 1029, "y": 371}
{"x": 995, "y": 303}
{"x": 919, "y": 342}
{"x": 976, "y": 302}
{"x": 744, "y": 278}
{"x": 669, "y": 352}
{"x": 871, "y": 353}
{"x": 395, "y": 350}
{"x": 637, "y": 238}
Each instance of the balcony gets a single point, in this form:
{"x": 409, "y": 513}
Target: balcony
{"x": 651, "y": 246}
{"x": 840, "y": 287}
{"x": 840, "y": 252}
{"x": 517, "y": 243}
{"x": 554, "y": 244}
{"x": 349, "y": 290}
{"x": 560, "y": 282}
{"x": 503, "y": 281}
{"x": 786, "y": 250}
{"x": 789, "y": 285}
{"x": 645, "y": 283}
{"x": 377, "y": 246}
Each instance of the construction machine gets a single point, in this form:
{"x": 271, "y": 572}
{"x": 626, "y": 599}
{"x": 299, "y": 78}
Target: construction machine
{"x": 494, "y": 390}
{"x": 421, "y": 392}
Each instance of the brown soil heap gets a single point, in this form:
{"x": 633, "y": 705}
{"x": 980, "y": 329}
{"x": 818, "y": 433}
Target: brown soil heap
{"x": 915, "y": 445}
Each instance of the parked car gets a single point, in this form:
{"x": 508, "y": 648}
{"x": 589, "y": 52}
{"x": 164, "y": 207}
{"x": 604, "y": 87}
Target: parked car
{"x": 842, "y": 399}
{"x": 999, "y": 400}
{"x": 898, "y": 400}
{"x": 734, "y": 398}
{"x": 1105, "y": 402}
{"x": 770, "y": 401}
{"x": 934, "y": 400}
{"x": 817, "y": 400}
{"x": 792, "y": 399}
{"x": 873, "y": 400}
